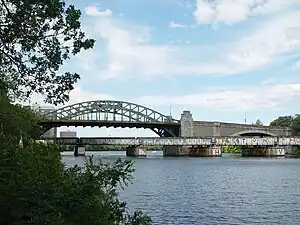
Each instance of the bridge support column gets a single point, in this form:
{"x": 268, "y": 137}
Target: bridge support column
{"x": 186, "y": 124}
{"x": 263, "y": 151}
{"x": 79, "y": 150}
{"x": 210, "y": 151}
{"x": 134, "y": 151}
{"x": 173, "y": 150}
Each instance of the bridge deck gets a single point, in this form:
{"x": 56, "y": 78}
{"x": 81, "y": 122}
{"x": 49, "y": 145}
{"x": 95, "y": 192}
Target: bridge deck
{"x": 189, "y": 141}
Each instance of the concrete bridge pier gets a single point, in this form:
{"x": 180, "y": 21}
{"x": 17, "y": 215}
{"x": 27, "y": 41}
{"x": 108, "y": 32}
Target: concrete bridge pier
{"x": 210, "y": 151}
{"x": 135, "y": 151}
{"x": 263, "y": 151}
{"x": 79, "y": 150}
{"x": 174, "y": 150}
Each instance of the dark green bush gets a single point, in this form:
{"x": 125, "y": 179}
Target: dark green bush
{"x": 36, "y": 188}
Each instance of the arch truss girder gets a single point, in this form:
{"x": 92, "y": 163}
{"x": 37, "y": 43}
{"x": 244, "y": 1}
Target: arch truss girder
{"x": 95, "y": 110}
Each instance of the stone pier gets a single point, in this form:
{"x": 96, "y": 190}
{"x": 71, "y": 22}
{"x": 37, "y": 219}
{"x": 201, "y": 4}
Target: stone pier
{"x": 263, "y": 151}
{"x": 135, "y": 151}
{"x": 79, "y": 150}
{"x": 186, "y": 130}
{"x": 200, "y": 151}
{"x": 186, "y": 124}
{"x": 175, "y": 151}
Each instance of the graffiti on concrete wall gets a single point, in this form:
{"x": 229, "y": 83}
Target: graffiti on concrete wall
{"x": 110, "y": 141}
{"x": 181, "y": 141}
{"x": 176, "y": 141}
{"x": 245, "y": 141}
{"x": 289, "y": 141}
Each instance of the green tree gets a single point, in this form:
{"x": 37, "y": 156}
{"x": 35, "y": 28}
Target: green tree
{"x": 17, "y": 121}
{"x": 292, "y": 122}
{"x": 36, "y": 188}
{"x": 282, "y": 121}
{"x": 36, "y": 38}
{"x": 296, "y": 125}
{"x": 258, "y": 123}
{"x": 231, "y": 149}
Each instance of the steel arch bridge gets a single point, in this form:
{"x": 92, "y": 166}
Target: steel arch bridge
{"x": 103, "y": 113}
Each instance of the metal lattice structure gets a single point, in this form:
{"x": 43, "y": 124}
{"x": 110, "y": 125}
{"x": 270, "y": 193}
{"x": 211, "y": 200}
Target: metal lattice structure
{"x": 113, "y": 113}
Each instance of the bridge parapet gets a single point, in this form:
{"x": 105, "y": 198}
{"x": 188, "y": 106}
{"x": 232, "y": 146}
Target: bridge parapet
{"x": 185, "y": 141}
{"x": 209, "y": 128}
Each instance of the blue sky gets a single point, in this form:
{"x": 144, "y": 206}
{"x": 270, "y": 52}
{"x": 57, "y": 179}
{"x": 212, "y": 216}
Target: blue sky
{"x": 218, "y": 59}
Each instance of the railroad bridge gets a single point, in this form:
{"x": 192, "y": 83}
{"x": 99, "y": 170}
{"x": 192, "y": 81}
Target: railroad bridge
{"x": 125, "y": 114}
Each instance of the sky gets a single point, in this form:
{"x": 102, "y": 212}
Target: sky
{"x": 220, "y": 59}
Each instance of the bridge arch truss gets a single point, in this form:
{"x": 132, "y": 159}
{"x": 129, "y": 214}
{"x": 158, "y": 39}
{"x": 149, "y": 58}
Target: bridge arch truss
{"x": 116, "y": 114}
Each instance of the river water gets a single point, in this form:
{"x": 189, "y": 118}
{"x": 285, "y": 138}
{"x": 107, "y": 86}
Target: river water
{"x": 199, "y": 191}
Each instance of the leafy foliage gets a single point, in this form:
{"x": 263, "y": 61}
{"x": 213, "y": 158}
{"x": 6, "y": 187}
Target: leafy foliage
{"x": 258, "y": 123}
{"x": 36, "y": 188}
{"x": 231, "y": 149}
{"x": 36, "y": 38}
{"x": 16, "y": 120}
{"x": 282, "y": 121}
{"x": 288, "y": 121}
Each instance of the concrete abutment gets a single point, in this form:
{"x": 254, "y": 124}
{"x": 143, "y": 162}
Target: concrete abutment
{"x": 263, "y": 151}
{"x": 135, "y": 151}
{"x": 175, "y": 151}
{"x": 211, "y": 151}
{"x": 194, "y": 151}
{"x": 79, "y": 150}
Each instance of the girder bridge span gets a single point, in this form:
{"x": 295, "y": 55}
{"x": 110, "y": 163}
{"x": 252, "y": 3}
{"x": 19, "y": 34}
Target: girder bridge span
{"x": 183, "y": 141}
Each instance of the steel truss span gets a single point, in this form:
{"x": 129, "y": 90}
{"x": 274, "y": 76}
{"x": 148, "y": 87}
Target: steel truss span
{"x": 112, "y": 114}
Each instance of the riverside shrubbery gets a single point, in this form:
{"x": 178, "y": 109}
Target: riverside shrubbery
{"x": 36, "y": 188}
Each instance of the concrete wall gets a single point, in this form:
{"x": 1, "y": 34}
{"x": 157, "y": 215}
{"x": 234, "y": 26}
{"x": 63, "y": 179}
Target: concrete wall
{"x": 42, "y": 111}
{"x": 186, "y": 124}
{"x": 207, "y": 128}
{"x": 68, "y": 134}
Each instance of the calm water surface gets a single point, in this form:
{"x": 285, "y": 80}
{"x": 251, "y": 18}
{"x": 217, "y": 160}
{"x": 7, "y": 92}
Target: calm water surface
{"x": 226, "y": 190}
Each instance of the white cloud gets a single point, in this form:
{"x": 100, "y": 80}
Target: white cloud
{"x": 297, "y": 65}
{"x": 233, "y": 11}
{"x": 233, "y": 99}
{"x": 269, "y": 40}
{"x": 130, "y": 53}
{"x": 174, "y": 24}
{"x": 93, "y": 11}
{"x": 76, "y": 96}
{"x": 128, "y": 50}
{"x": 179, "y": 41}
{"x": 185, "y": 4}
